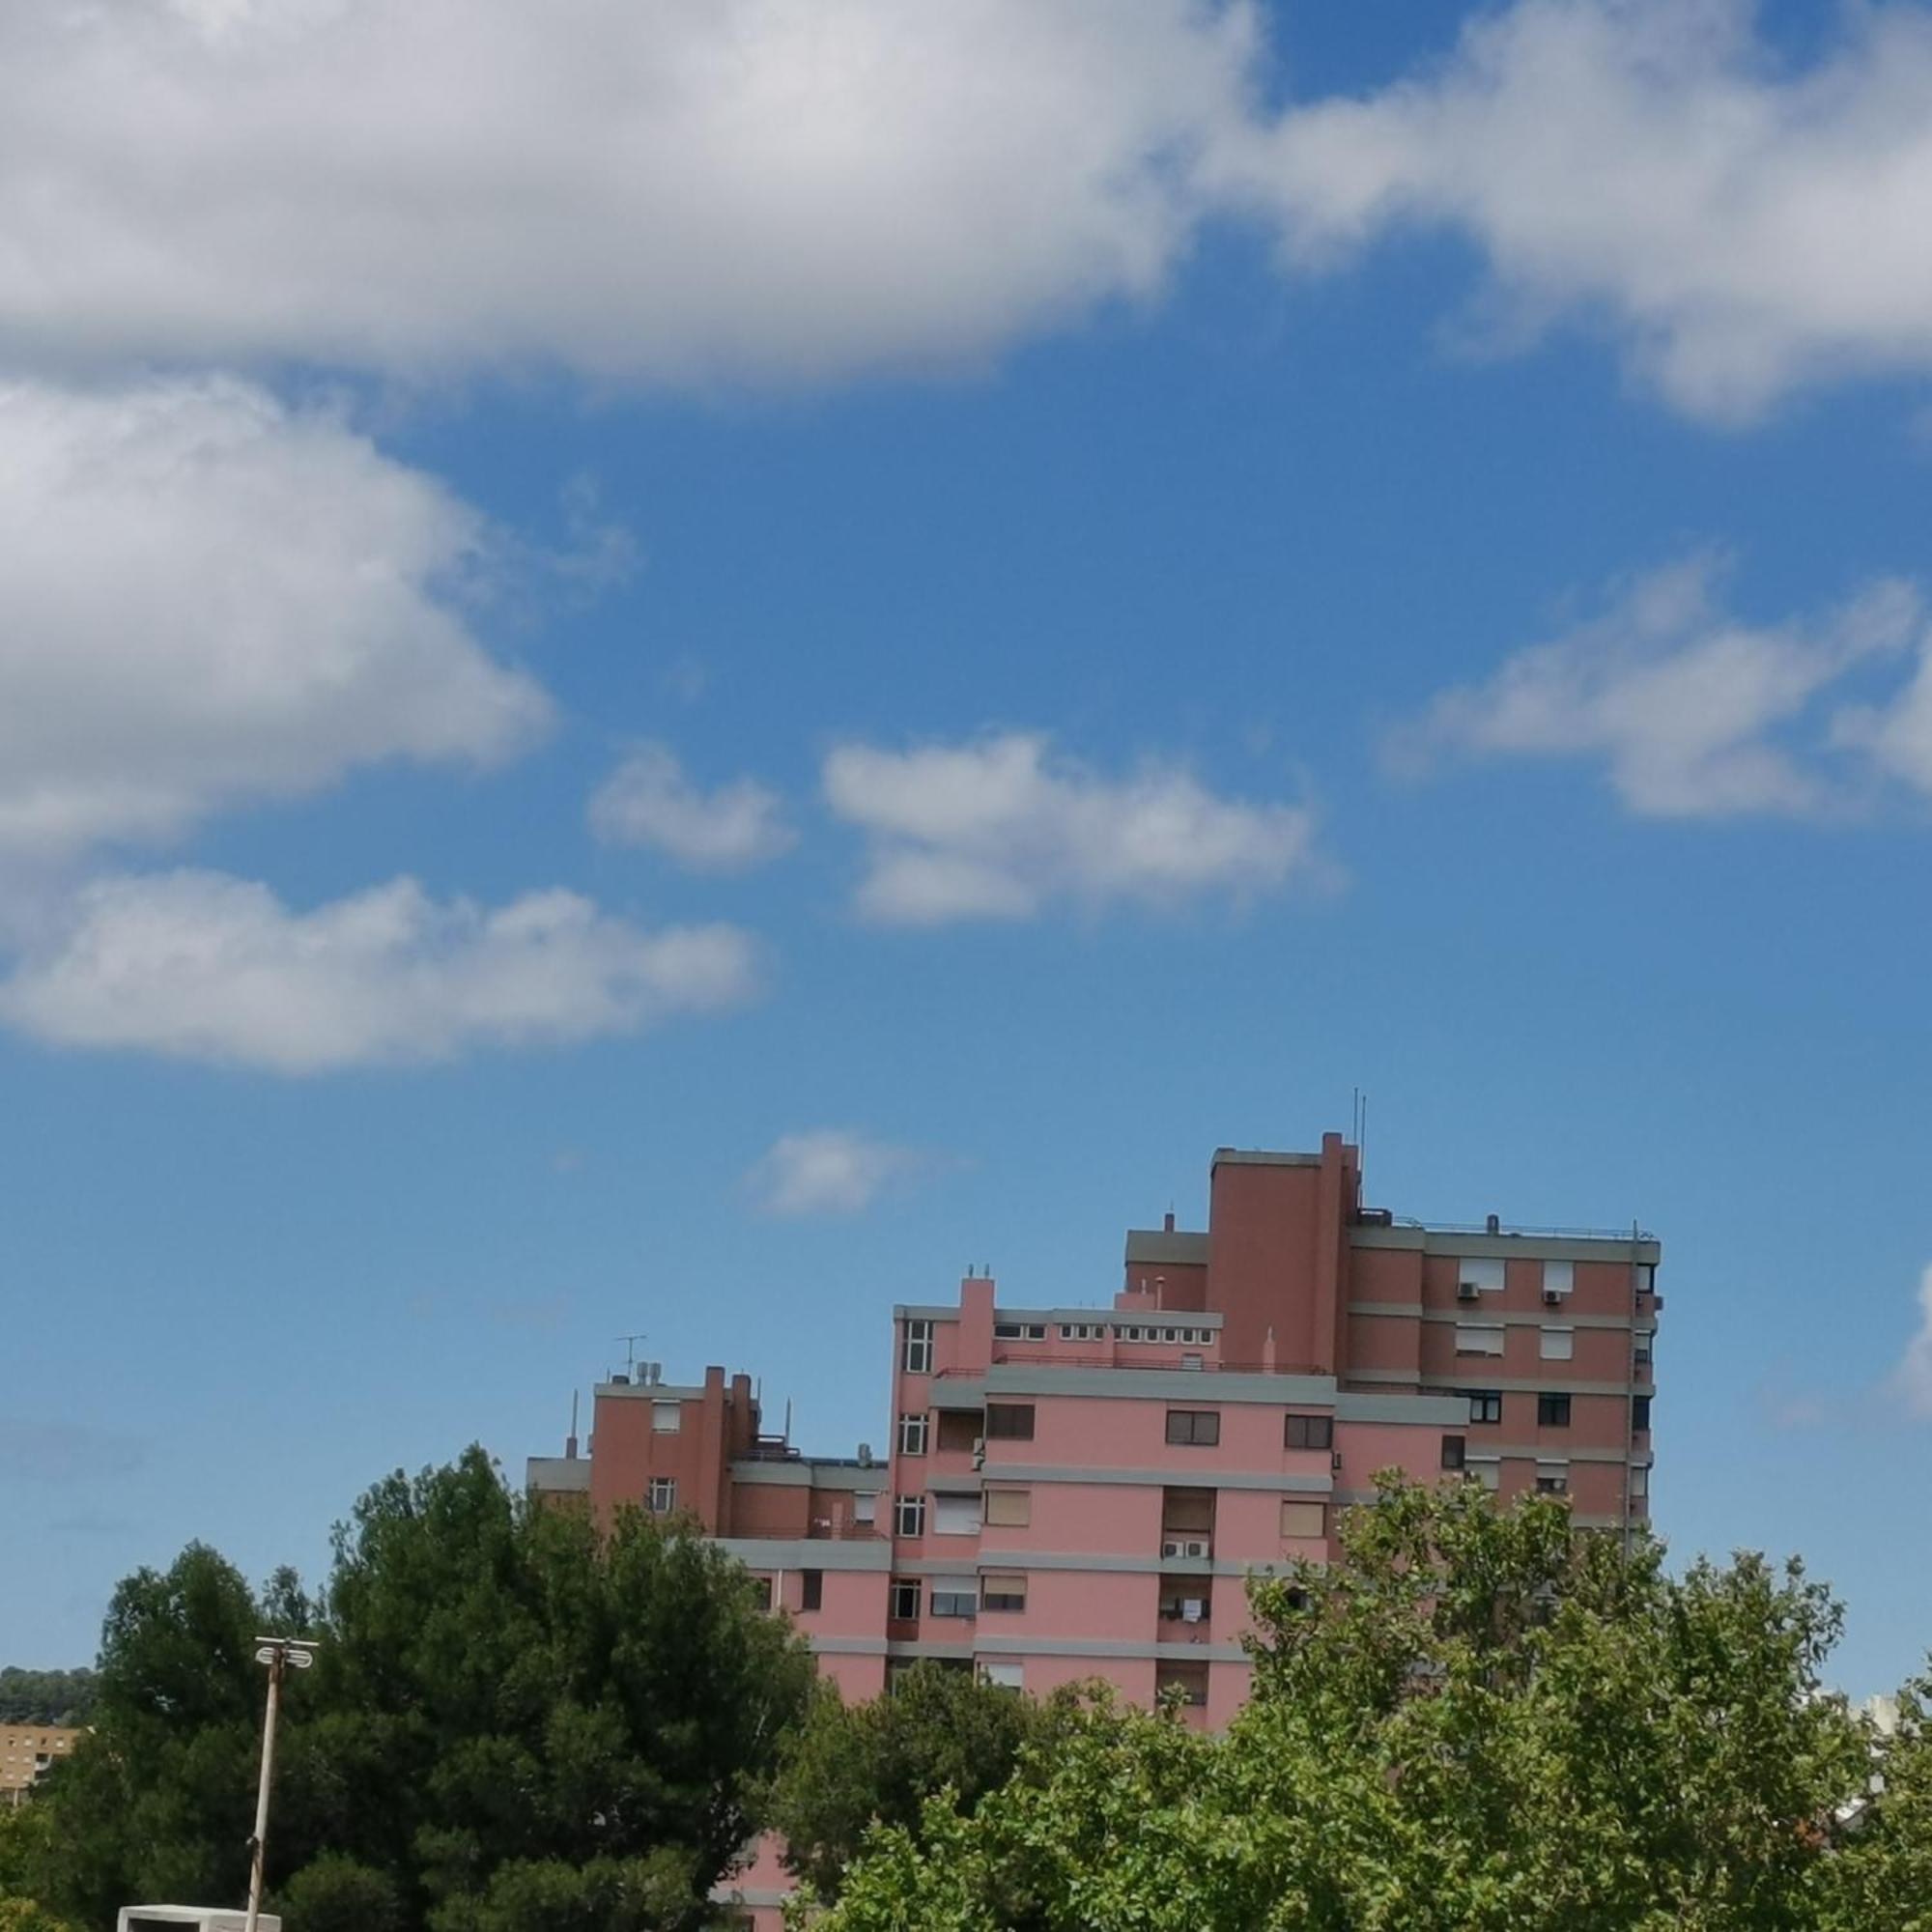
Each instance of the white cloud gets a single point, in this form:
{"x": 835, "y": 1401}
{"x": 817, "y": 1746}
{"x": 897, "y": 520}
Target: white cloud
{"x": 207, "y": 597}
{"x": 201, "y": 966}
{"x": 1001, "y": 828}
{"x": 1684, "y": 702}
{"x": 685, "y": 189}
{"x": 1747, "y": 225}
{"x": 649, "y": 801}
{"x": 1912, "y": 1378}
{"x": 828, "y": 1171}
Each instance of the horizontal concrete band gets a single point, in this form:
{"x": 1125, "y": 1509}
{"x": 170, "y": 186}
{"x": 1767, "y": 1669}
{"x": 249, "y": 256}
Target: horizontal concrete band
{"x": 1551, "y": 1384}
{"x": 1511, "y": 1247}
{"x": 1474, "y": 1311}
{"x": 1096, "y": 1648}
{"x": 847, "y": 1646}
{"x": 1482, "y": 1450}
{"x": 1177, "y": 1475}
{"x": 1011, "y": 1562}
{"x": 800, "y": 1553}
{"x": 863, "y": 1479}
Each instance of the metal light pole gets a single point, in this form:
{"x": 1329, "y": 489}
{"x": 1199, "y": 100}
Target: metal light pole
{"x": 281, "y": 1654}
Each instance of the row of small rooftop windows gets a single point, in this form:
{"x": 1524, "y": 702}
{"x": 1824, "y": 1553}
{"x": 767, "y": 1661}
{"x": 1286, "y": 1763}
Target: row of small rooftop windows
{"x": 1096, "y": 1331}
{"x": 1484, "y": 1274}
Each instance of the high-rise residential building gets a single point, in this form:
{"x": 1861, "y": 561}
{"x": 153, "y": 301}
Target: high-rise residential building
{"x": 1073, "y": 1491}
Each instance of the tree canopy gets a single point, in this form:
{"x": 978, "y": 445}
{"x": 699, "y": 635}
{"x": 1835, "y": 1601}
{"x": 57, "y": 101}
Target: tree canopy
{"x": 45, "y": 1696}
{"x": 516, "y": 1722}
{"x": 1477, "y": 1719}
{"x": 852, "y": 1765}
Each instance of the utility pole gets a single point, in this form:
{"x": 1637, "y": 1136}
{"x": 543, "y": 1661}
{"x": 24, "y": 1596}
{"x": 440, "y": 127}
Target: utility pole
{"x": 281, "y": 1654}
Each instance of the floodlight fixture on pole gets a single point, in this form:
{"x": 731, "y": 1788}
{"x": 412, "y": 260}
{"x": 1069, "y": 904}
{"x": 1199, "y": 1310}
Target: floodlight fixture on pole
{"x": 281, "y": 1654}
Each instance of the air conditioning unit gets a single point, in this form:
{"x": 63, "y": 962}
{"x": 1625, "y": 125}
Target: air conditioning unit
{"x": 1466, "y": 1290}
{"x": 1335, "y": 1462}
{"x": 1552, "y": 1297}
{"x": 1185, "y": 1546}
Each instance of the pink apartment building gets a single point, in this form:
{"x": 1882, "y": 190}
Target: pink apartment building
{"x": 1075, "y": 1491}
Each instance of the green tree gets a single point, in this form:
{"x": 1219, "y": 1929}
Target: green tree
{"x": 26, "y": 1836}
{"x": 507, "y": 1708}
{"x": 851, "y": 1764}
{"x": 1476, "y": 1718}
{"x": 45, "y": 1696}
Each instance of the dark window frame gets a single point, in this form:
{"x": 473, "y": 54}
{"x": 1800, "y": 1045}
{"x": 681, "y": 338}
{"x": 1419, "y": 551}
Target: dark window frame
{"x": 1318, "y": 1431}
{"x": 1552, "y": 1412}
{"x": 1009, "y": 1413}
{"x": 1190, "y": 1422}
{"x": 1456, "y": 1452}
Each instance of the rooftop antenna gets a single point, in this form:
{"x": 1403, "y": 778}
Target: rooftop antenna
{"x": 570, "y": 1440}
{"x": 630, "y": 1342}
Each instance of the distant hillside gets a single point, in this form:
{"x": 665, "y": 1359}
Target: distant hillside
{"x": 45, "y": 1696}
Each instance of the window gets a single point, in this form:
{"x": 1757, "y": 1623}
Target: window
{"x": 1640, "y": 1413}
{"x": 1487, "y": 1470}
{"x": 1009, "y": 1421}
{"x": 1186, "y": 1601}
{"x": 864, "y": 1509}
{"x": 955, "y": 1597}
{"x": 1641, "y": 1350}
{"x": 1199, "y": 1426}
{"x": 960, "y": 1429}
{"x": 1479, "y": 1338}
{"x": 1482, "y": 1273}
{"x": 1186, "y": 1513}
{"x": 1008, "y": 1509}
{"x": 902, "y": 1605}
{"x": 666, "y": 1417}
{"x": 1008, "y": 1672}
{"x": 919, "y": 1347}
{"x": 1455, "y": 1451}
{"x": 912, "y": 1436}
{"x": 1646, "y": 1278}
{"x": 1019, "y": 1331}
{"x": 664, "y": 1494}
{"x": 909, "y": 1515}
{"x": 1303, "y": 1518}
{"x": 1081, "y": 1331}
{"x": 762, "y": 1585}
{"x": 1185, "y": 1683}
{"x": 1640, "y": 1479}
{"x": 955, "y": 1516}
{"x": 1309, "y": 1432}
{"x": 1003, "y": 1593}
{"x": 1486, "y": 1406}
{"x": 1552, "y": 1479}
{"x": 812, "y": 1589}
{"x": 1558, "y": 1277}
{"x": 1556, "y": 1344}
{"x": 1552, "y": 1412}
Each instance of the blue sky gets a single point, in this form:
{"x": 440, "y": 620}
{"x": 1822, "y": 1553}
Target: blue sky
{"x": 1113, "y": 588}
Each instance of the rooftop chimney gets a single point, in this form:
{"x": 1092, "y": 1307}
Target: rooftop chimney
{"x": 1495, "y": 1224}
{"x": 1168, "y": 1222}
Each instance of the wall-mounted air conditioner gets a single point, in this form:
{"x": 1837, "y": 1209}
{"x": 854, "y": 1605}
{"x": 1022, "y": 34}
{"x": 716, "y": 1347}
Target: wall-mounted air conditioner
{"x": 1185, "y": 1546}
{"x": 1466, "y": 1290}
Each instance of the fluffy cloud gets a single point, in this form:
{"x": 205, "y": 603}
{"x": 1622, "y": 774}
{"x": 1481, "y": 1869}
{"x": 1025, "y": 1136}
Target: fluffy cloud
{"x": 693, "y": 188}
{"x": 1913, "y": 1379}
{"x": 201, "y": 966}
{"x": 649, "y": 801}
{"x": 1684, "y": 702}
{"x": 827, "y": 1170}
{"x": 1001, "y": 828}
{"x": 207, "y": 597}
{"x": 1747, "y": 224}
